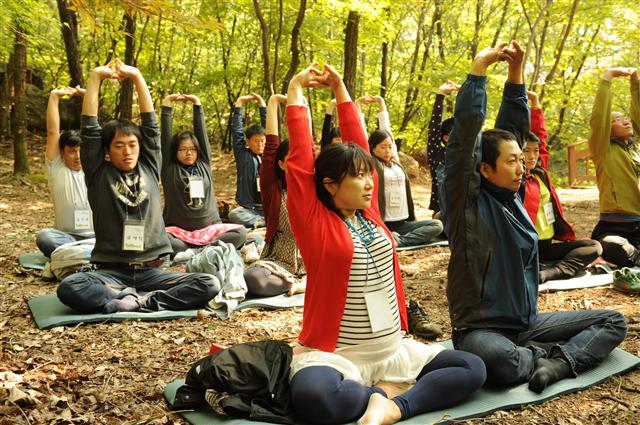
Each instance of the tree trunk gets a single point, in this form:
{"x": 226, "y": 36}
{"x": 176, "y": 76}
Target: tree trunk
{"x": 6, "y": 95}
{"x": 503, "y": 19}
{"x": 264, "y": 37}
{"x": 19, "y": 115}
{"x": 69, "y": 29}
{"x": 383, "y": 72}
{"x": 276, "y": 47}
{"x": 476, "y": 28}
{"x": 560, "y": 48}
{"x": 126, "y": 91}
{"x": 295, "y": 49}
{"x": 411, "y": 93}
{"x": 351, "y": 52}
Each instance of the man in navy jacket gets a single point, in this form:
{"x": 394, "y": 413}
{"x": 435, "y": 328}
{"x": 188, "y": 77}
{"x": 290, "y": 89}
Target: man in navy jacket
{"x": 493, "y": 272}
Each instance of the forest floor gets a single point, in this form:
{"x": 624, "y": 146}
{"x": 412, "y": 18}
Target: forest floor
{"x": 115, "y": 373}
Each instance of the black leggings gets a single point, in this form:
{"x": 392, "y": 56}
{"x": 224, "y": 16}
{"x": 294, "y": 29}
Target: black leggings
{"x": 320, "y": 395}
{"x": 569, "y": 256}
{"x": 620, "y": 242}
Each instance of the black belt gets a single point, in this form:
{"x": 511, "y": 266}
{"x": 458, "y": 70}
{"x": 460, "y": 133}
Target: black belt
{"x": 158, "y": 262}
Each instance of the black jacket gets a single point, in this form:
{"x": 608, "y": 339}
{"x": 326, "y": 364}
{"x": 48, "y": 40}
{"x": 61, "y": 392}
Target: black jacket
{"x": 249, "y": 380}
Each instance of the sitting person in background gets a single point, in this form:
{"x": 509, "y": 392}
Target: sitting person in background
{"x": 280, "y": 267}
{"x": 437, "y": 142}
{"x": 73, "y": 220}
{"x": 247, "y": 149}
{"x": 124, "y": 193}
{"x": 561, "y": 260}
{"x": 354, "y": 310}
{"x": 615, "y": 151}
{"x": 330, "y": 133}
{"x": 190, "y": 209}
{"x": 492, "y": 286}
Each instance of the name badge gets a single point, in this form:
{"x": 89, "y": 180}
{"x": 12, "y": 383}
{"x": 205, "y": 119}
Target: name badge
{"x": 379, "y": 310}
{"x": 82, "y": 219}
{"x": 395, "y": 199}
{"x": 133, "y": 235}
{"x": 548, "y": 213}
{"x": 258, "y": 183}
{"x": 196, "y": 187}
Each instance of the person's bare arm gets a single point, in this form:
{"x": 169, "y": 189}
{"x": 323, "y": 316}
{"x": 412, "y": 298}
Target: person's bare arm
{"x": 52, "y": 150}
{"x": 272, "y": 113}
{"x": 92, "y": 94}
{"x": 145, "y": 103}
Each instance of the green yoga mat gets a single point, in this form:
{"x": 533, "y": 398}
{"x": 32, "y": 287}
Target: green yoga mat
{"x": 411, "y": 248}
{"x": 480, "y": 403}
{"x": 48, "y": 311}
{"x": 32, "y": 260}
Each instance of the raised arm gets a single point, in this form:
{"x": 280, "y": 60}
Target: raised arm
{"x": 635, "y": 102}
{"x": 600, "y": 121}
{"x": 149, "y": 129}
{"x": 435, "y": 148}
{"x": 166, "y": 128}
{"x": 268, "y": 177}
{"x": 538, "y": 128}
{"x": 92, "y": 152}
{"x": 262, "y": 108}
{"x": 461, "y": 180}
{"x": 384, "y": 123}
{"x": 200, "y": 127}
{"x": 325, "y": 139}
{"x": 52, "y": 149}
{"x": 513, "y": 115}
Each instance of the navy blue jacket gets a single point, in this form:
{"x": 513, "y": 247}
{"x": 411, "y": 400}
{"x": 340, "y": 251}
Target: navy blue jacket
{"x": 493, "y": 271}
{"x": 247, "y": 163}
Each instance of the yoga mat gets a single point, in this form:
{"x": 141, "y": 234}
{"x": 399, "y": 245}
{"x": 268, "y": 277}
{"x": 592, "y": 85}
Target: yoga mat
{"x": 587, "y": 281}
{"x": 48, "y": 311}
{"x": 435, "y": 243}
{"x": 275, "y": 302}
{"x": 479, "y": 404}
{"x": 32, "y": 260}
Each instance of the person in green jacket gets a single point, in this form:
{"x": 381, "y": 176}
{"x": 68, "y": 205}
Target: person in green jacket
{"x": 615, "y": 151}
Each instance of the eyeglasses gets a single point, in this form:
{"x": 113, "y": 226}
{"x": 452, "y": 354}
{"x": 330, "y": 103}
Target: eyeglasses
{"x": 187, "y": 150}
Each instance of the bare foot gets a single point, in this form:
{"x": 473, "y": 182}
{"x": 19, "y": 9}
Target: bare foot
{"x": 393, "y": 389}
{"x": 380, "y": 411}
{"x": 297, "y": 288}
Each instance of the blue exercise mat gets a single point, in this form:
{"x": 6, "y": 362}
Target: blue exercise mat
{"x": 48, "y": 311}
{"x": 32, "y": 260}
{"x": 479, "y": 404}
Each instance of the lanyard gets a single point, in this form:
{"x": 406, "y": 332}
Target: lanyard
{"x": 366, "y": 240}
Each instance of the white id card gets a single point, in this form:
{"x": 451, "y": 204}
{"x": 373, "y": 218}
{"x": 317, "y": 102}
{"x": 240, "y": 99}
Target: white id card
{"x": 82, "y": 219}
{"x": 379, "y": 310}
{"x": 133, "y": 235}
{"x": 395, "y": 199}
{"x": 196, "y": 187}
{"x": 258, "y": 183}
{"x": 548, "y": 213}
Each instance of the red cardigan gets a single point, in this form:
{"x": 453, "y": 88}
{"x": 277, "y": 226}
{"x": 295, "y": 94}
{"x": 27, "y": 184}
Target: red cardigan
{"x": 321, "y": 235}
{"x": 562, "y": 229}
{"x": 270, "y": 186}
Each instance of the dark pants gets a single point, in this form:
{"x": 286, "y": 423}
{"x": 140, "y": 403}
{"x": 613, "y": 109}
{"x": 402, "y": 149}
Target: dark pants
{"x": 156, "y": 289}
{"x": 570, "y": 256}
{"x": 584, "y": 338}
{"x": 620, "y": 242}
{"x": 320, "y": 395}
{"x": 236, "y": 237}
{"x": 412, "y": 233}
{"x": 262, "y": 283}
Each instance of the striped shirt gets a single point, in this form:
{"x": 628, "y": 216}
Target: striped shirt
{"x": 370, "y": 271}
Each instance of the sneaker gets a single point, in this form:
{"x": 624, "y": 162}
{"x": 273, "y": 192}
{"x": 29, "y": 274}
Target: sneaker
{"x": 419, "y": 324}
{"x": 626, "y": 280}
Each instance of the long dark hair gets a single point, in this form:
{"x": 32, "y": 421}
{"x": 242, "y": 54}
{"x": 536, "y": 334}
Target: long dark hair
{"x": 281, "y": 154}
{"x": 178, "y": 138}
{"x": 335, "y": 162}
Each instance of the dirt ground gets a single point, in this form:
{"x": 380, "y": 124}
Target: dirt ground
{"x": 115, "y": 373}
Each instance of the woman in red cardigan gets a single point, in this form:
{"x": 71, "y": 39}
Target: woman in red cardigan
{"x": 280, "y": 268}
{"x": 569, "y": 257}
{"x": 355, "y": 362}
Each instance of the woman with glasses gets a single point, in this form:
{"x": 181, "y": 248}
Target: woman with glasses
{"x": 190, "y": 211}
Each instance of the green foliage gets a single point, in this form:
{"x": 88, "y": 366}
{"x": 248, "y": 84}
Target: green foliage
{"x": 212, "y": 48}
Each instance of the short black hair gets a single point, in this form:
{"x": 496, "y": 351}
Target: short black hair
{"x": 252, "y": 130}
{"x": 69, "y": 138}
{"x": 178, "y": 138}
{"x": 531, "y": 137}
{"x": 121, "y": 126}
{"x": 491, "y": 141}
{"x": 446, "y": 127}
{"x": 335, "y": 162}
{"x": 377, "y": 137}
{"x": 281, "y": 154}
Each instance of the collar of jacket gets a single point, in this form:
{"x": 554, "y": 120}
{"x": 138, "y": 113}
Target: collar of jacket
{"x": 501, "y": 194}
{"x": 620, "y": 141}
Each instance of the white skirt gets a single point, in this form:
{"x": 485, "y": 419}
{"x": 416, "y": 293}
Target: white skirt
{"x": 396, "y": 359}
